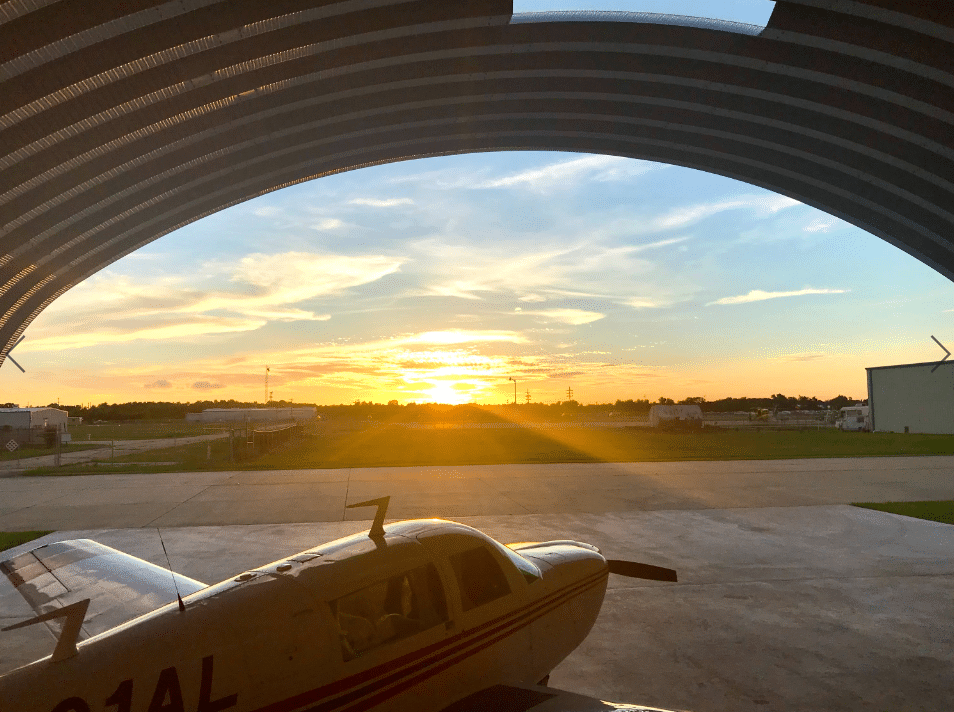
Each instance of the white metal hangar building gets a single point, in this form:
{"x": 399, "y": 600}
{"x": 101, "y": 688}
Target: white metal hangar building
{"x": 123, "y": 121}
{"x": 912, "y": 398}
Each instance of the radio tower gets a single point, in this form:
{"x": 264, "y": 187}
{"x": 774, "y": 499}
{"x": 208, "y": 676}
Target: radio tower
{"x": 528, "y": 396}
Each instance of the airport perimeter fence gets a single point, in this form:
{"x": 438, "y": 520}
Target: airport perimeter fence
{"x": 267, "y": 439}
{"x": 791, "y": 424}
{"x": 544, "y": 425}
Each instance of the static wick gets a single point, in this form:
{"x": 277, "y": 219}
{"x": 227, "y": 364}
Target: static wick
{"x": 377, "y": 528}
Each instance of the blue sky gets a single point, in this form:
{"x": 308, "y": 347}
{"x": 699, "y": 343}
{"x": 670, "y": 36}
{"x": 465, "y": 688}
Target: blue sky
{"x": 440, "y": 278}
{"x": 755, "y": 12}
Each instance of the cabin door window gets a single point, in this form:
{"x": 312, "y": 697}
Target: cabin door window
{"x": 389, "y": 610}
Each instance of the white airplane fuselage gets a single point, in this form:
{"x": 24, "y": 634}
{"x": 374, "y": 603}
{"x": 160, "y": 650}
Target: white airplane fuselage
{"x": 413, "y": 620}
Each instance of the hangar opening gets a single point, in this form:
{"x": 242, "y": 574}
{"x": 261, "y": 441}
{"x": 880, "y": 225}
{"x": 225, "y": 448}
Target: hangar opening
{"x": 124, "y": 124}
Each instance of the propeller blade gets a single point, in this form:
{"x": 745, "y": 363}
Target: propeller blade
{"x": 633, "y": 569}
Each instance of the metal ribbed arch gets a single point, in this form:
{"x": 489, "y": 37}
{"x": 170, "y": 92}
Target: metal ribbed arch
{"x": 118, "y": 128}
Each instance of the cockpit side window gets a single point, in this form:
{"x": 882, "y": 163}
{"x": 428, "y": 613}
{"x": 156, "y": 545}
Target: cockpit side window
{"x": 479, "y": 576}
{"x": 389, "y": 610}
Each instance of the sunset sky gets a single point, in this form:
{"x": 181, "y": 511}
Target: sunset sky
{"x": 437, "y": 279}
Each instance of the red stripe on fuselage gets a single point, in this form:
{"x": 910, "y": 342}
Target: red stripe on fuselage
{"x": 412, "y": 662}
{"x": 398, "y": 688}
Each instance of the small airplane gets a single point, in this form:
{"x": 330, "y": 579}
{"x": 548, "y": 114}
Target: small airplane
{"x": 422, "y": 615}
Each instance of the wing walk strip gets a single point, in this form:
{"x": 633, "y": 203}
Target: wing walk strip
{"x": 416, "y": 667}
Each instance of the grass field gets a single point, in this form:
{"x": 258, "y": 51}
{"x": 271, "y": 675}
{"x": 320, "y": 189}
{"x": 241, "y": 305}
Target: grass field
{"x": 932, "y": 511}
{"x": 396, "y": 446}
{"x": 8, "y": 540}
{"x": 25, "y": 451}
{"x": 144, "y": 430}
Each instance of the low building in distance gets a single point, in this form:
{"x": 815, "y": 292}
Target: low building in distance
{"x": 254, "y": 415}
{"x": 29, "y": 425}
{"x": 662, "y": 416}
{"x": 912, "y": 398}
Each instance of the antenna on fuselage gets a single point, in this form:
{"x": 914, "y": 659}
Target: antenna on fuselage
{"x": 169, "y": 564}
{"x": 377, "y": 528}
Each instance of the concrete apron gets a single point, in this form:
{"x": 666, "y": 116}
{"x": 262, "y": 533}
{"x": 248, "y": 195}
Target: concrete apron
{"x": 292, "y": 496}
{"x": 789, "y": 608}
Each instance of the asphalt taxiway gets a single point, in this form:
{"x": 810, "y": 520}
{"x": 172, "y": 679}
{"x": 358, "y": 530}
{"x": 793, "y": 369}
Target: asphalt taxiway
{"x": 292, "y": 496}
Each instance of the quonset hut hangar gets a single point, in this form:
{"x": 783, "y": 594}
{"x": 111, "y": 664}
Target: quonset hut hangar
{"x": 122, "y": 121}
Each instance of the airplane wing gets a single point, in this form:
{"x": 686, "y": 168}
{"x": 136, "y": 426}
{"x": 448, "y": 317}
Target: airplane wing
{"x": 522, "y": 698}
{"x": 119, "y": 586}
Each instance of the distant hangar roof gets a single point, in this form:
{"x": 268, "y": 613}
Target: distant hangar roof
{"x": 122, "y": 121}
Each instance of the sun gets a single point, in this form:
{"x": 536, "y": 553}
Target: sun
{"x": 450, "y": 392}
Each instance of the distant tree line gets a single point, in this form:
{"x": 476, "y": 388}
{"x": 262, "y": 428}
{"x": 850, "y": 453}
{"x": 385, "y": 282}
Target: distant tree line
{"x": 157, "y": 410}
{"x": 437, "y": 412}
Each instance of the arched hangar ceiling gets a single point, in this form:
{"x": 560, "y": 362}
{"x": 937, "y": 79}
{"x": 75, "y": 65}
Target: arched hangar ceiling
{"x": 120, "y": 122}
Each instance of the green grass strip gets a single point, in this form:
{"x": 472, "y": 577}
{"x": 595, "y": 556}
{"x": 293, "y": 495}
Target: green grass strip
{"x": 394, "y": 446}
{"x": 942, "y": 511}
{"x": 8, "y": 540}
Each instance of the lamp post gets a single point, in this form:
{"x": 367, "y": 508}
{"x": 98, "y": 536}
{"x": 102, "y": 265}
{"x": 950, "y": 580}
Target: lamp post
{"x": 511, "y": 378}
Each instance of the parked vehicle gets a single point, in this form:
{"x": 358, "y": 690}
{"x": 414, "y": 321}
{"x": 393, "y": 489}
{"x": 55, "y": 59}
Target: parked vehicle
{"x": 854, "y": 417}
{"x": 675, "y": 416}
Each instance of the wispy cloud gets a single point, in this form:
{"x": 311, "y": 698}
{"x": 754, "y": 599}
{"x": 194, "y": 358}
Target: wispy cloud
{"x": 381, "y": 202}
{"x": 564, "y": 174}
{"x": 574, "y": 317}
{"x": 683, "y": 216}
{"x": 159, "y": 383}
{"x": 267, "y": 211}
{"x": 206, "y": 385}
{"x": 291, "y": 277}
{"x": 327, "y": 224}
{"x": 645, "y": 303}
{"x": 478, "y": 269}
{"x": 117, "y": 332}
{"x": 288, "y": 315}
{"x": 234, "y": 297}
{"x": 820, "y": 225}
{"x": 757, "y": 295}
{"x": 805, "y": 356}
{"x": 460, "y": 336}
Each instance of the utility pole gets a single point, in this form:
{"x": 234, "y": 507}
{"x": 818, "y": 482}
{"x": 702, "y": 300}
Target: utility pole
{"x": 511, "y": 378}
{"x": 569, "y": 394}
{"x": 266, "y": 384}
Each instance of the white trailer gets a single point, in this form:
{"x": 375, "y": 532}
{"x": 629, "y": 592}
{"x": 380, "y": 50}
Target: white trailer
{"x": 675, "y": 415}
{"x": 854, "y": 417}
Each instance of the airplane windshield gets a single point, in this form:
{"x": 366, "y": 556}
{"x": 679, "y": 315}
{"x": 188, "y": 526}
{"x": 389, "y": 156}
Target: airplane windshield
{"x": 479, "y": 576}
{"x": 527, "y": 568}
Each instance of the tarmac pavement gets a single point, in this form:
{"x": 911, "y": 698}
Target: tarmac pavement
{"x": 787, "y": 598}
{"x": 291, "y": 496}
